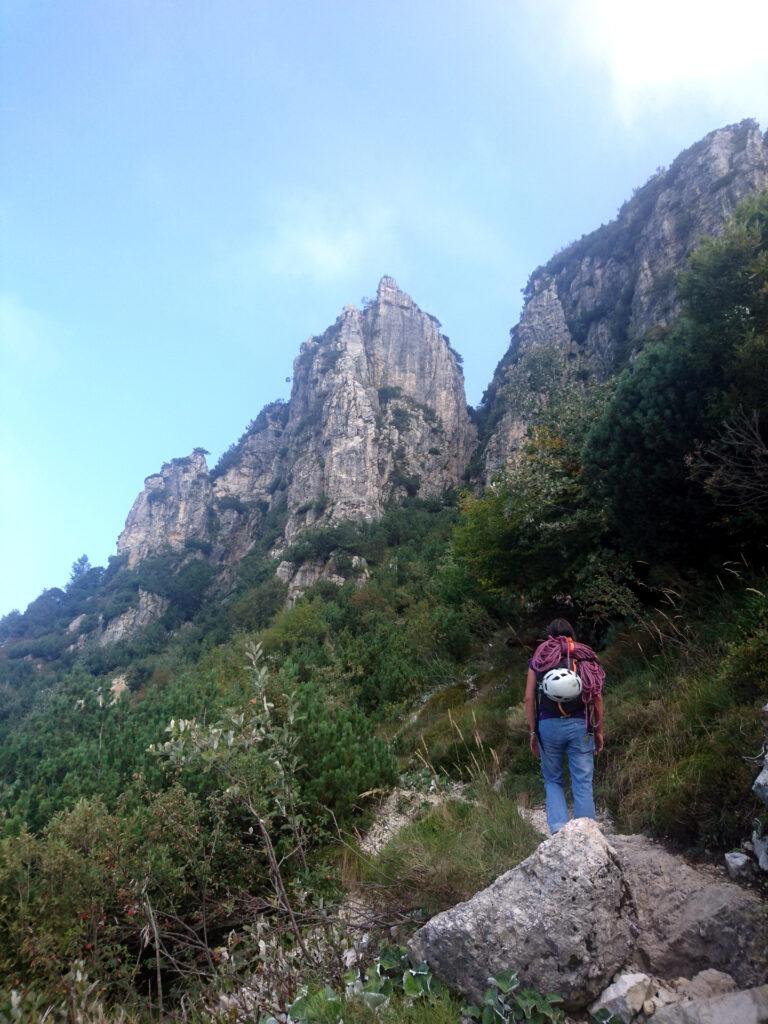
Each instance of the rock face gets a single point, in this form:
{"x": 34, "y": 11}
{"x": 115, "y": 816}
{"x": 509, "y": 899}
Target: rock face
{"x": 149, "y": 609}
{"x": 747, "y": 1007}
{"x": 172, "y": 509}
{"x": 563, "y": 920}
{"x": 689, "y": 921}
{"x": 582, "y": 907}
{"x": 588, "y": 310}
{"x": 377, "y": 408}
{"x": 625, "y": 997}
{"x": 306, "y": 575}
{"x": 377, "y": 411}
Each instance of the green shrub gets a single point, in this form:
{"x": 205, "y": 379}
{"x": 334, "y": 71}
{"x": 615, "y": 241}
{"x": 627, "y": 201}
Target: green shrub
{"x": 341, "y": 758}
{"x": 303, "y": 625}
{"x": 256, "y": 607}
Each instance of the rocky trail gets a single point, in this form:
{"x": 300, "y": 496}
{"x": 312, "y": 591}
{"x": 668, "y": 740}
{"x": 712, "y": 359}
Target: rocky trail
{"x": 610, "y": 921}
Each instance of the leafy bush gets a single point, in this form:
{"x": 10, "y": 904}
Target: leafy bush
{"x": 674, "y": 399}
{"x": 255, "y": 607}
{"x": 505, "y": 1002}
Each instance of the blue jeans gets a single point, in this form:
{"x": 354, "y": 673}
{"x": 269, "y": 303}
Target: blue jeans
{"x": 558, "y": 738}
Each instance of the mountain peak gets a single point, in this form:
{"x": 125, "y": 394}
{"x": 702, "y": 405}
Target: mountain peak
{"x": 389, "y": 291}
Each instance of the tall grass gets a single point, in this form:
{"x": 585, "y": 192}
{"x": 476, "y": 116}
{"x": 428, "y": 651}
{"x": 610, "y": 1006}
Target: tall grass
{"x": 456, "y": 849}
{"x": 678, "y": 728}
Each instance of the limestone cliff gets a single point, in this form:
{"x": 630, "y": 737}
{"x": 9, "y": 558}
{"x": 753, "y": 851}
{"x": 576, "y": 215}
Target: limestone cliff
{"x": 172, "y": 508}
{"x": 377, "y": 408}
{"x": 377, "y": 411}
{"x": 589, "y": 308}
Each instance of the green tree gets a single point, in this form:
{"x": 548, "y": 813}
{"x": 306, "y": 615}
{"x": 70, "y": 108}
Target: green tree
{"x": 677, "y": 396}
{"x": 80, "y": 567}
{"x": 534, "y": 526}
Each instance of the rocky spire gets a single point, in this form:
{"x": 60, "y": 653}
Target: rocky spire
{"x": 377, "y": 412}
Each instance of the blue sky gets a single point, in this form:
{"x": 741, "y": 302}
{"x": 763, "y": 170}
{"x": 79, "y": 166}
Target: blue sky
{"x": 190, "y": 189}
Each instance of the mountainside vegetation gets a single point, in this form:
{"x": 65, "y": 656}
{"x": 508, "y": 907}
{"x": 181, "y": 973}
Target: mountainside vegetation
{"x": 179, "y": 809}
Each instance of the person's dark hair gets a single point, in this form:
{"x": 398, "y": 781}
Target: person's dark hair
{"x": 560, "y": 627}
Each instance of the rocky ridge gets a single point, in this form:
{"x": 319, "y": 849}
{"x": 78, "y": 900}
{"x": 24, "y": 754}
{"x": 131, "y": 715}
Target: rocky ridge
{"x": 377, "y": 410}
{"x": 588, "y": 310}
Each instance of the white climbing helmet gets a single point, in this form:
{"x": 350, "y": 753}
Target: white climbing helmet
{"x": 561, "y": 684}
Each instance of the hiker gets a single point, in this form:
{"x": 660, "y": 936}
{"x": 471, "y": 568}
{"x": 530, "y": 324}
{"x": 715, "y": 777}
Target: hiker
{"x": 564, "y": 707}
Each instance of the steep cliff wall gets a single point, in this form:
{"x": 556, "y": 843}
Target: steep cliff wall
{"x": 172, "y": 508}
{"x": 377, "y": 411}
{"x": 589, "y": 308}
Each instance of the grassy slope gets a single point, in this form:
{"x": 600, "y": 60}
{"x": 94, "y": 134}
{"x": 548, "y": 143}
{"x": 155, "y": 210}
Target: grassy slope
{"x": 681, "y": 711}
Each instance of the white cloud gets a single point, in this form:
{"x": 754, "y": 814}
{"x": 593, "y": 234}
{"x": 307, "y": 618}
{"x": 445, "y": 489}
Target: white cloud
{"x": 329, "y": 240}
{"x": 318, "y": 239}
{"x": 660, "y": 51}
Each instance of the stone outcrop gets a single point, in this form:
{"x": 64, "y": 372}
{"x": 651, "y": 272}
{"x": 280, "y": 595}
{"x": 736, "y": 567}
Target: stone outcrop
{"x": 172, "y": 509}
{"x": 583, "y": 907}
{"x": 710, "y": 997}
{"x": 149, "y": 608}
{"x": 625, "y": 997}
{"x": 377, "y": 412}
{"x": 589, "y": 308}
{"x": 690, "y": 921}
{"x": 377, "y": 409}
{"x": 337, "y": 570}
{"x": 563, "y": 920}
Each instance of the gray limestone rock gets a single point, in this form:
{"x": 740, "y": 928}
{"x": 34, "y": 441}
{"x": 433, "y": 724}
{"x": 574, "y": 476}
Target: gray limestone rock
{"x": 738, "y": 864}
{"x": 749, "y": 1006}
{"x": 563, "y": 920}
{"x": 760, "y": 846}
{"x": 690, "y": 921}
{"x": 377, "y": 412}
{"x": 625, "y": 997}
{"x": 149, "y": 609}
{"x": 760, "y": 785}
{"x": 171, "y": 509}
{"x": 705, "y": 985}
{"x": 299, "y": 578}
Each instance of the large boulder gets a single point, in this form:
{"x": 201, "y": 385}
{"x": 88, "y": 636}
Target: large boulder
{"x": 691, "y": 919}
{"x": 564, "y": 920}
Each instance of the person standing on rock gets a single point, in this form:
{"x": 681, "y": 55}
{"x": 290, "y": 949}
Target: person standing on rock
{"x": 564, "y": 707}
